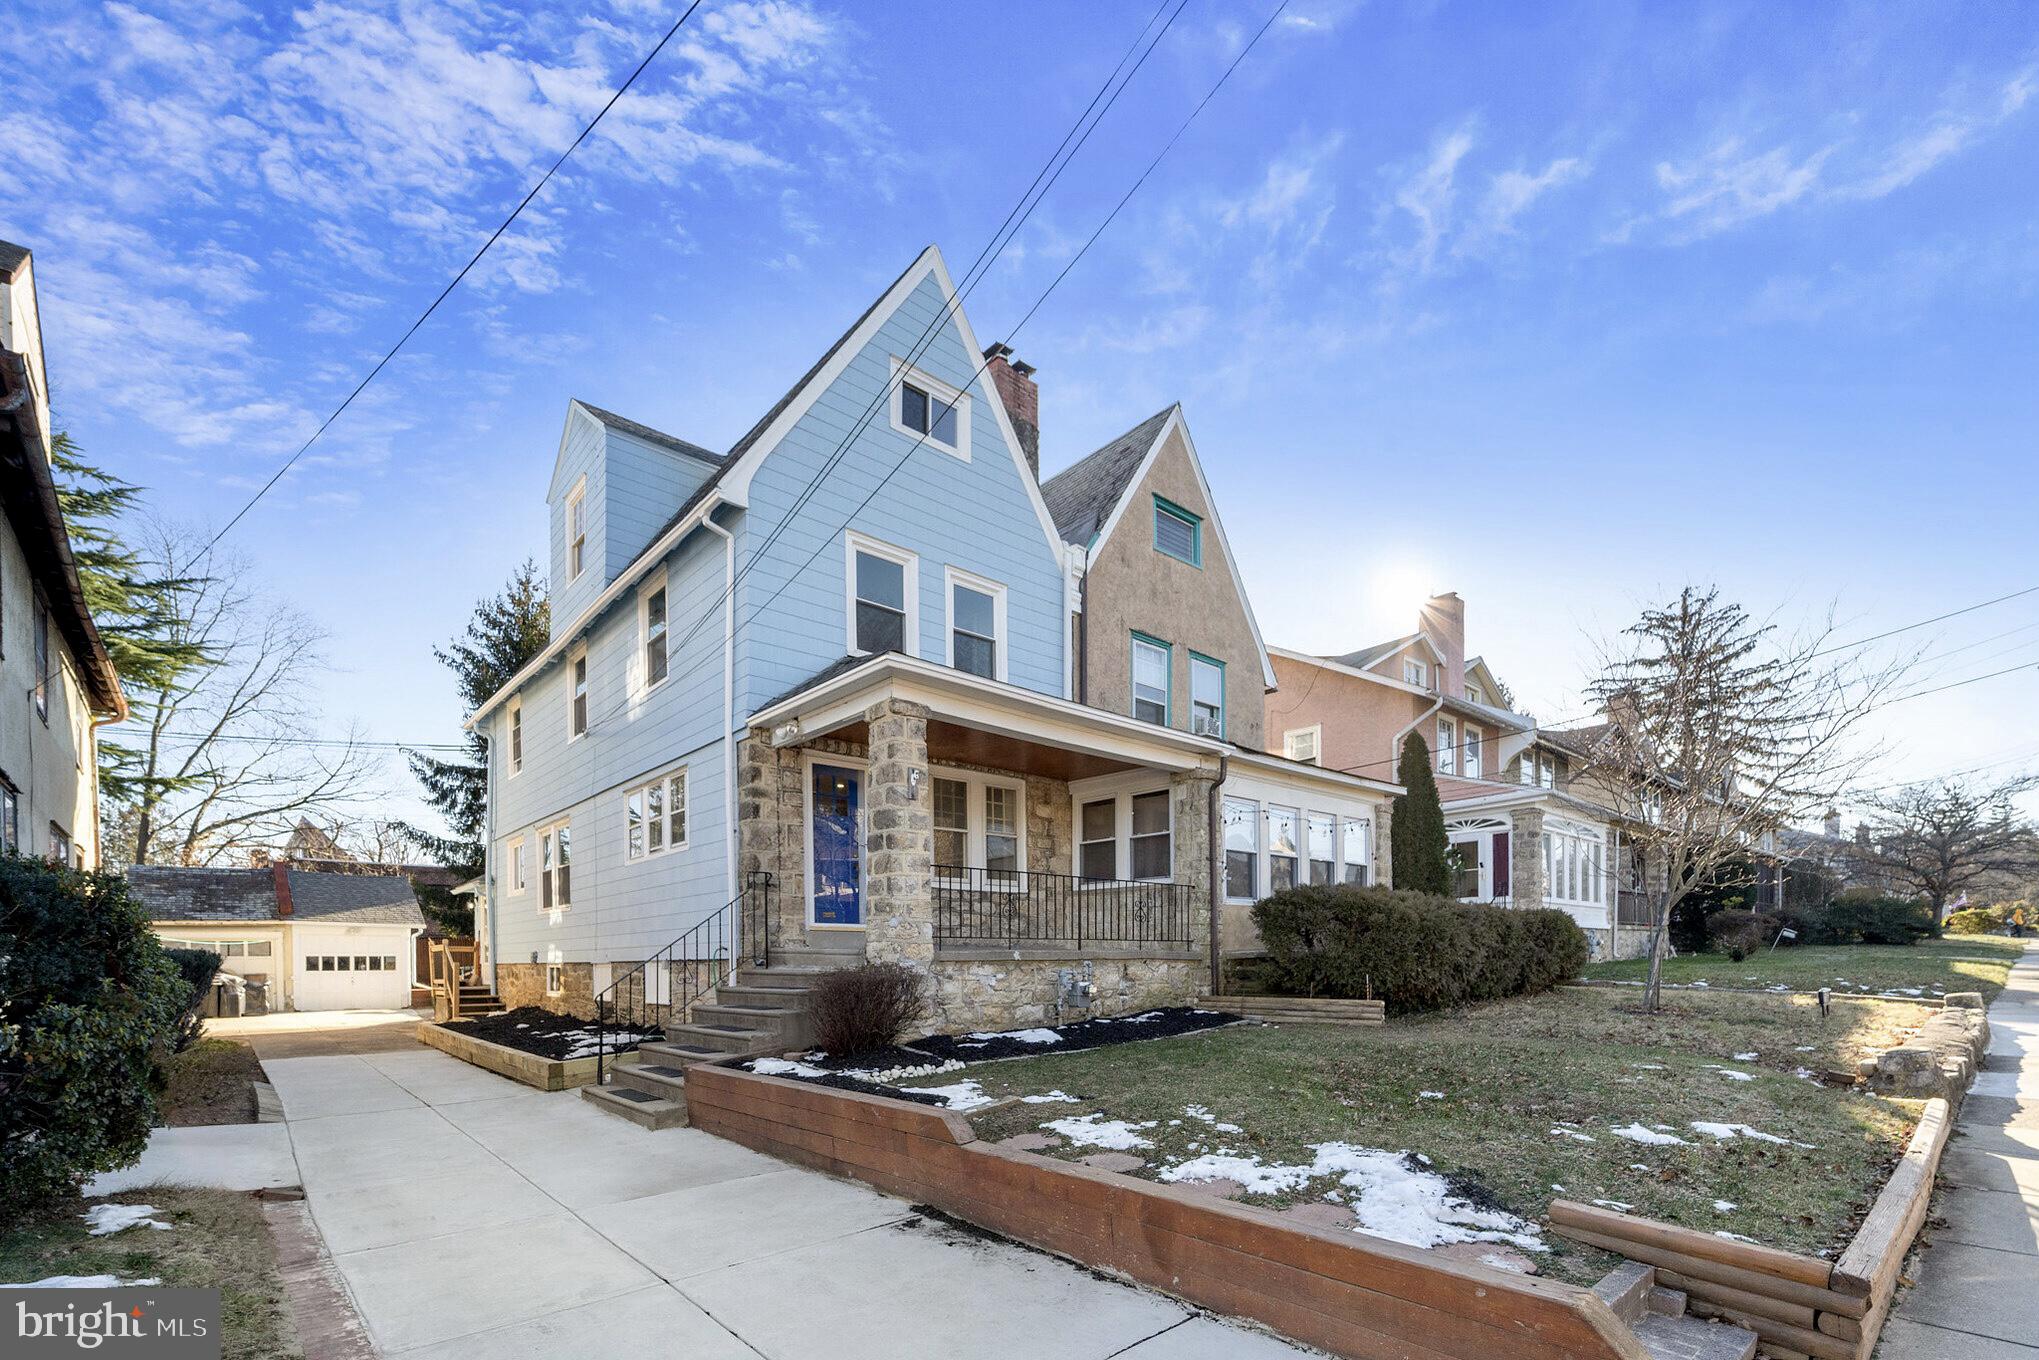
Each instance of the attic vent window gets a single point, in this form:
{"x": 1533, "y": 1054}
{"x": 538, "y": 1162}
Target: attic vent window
{"x": 928, "y": 410}
{"x": 1178, "y": 533}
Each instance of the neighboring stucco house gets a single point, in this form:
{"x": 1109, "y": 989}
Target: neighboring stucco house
{"x": 289, "y": 939}
{"x": 844, "y": 653}
{"x": 1521, "y": 829}
{"x": 57, "y": 684}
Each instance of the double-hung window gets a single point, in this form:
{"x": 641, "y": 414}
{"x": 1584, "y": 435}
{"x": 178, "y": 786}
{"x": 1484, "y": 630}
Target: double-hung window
{"x": 1153, "y": 851}
{"x": 1474, "y": 739}
{"x": 515, "y": 854}
{"x": 1178, "y": 533}
{"x": 555, "y": 867}
{"x": 1358, "y": 851}
{"x": 1281, "y": 849}
{"x": 576, "y": 532}
{"x": 929, "y": 410}
{"x": 1098, "y": 852}
{"x": 1323, "y": 833}
{"x": 977, "y": 824}
{"x": 1206, "y": 696}
{"x": 60, "y": 844}
{"x": 578, "y": 717}
{"x": 883, "y": 595}
{"x": 655, "y": 816}
{"x": 656, "y": 663}
{"x": 1547, "y": 772}
{"x": 1151, "y": 665}
{"x": 1415, "y": 672}
{"x": 976, "y": 625}
{"x": 1447, "y": 746}
{"x": 1242, "y": 848}
{"x": 516, "y": 736}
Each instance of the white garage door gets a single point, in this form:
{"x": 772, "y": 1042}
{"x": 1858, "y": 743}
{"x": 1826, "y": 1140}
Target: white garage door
{"x": 328, "y": 980}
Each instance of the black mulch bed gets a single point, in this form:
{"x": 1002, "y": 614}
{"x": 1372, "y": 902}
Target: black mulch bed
{"x": 872, "y": 1060}
{"x": 869, "y": 1088}
{"x": 1162, "y": 1023}
{"x": 536, "y": 1030}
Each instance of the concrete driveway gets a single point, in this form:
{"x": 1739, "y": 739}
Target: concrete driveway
{"x": 474, "y": 1218}
{"x": 305, "y": 1034}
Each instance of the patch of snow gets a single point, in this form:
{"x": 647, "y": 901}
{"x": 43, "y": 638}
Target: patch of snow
{"x": 85, "y": 1282}
{"x": 1806, "y": 1048}
{"x": 1723, "y": 1206}
{"x": 784, "y": 1067}
{"x": 1614, "y": 1204}
{"x": 104, "y": 1219}
{"x": 1732, "y": 1074}
{"x": 1050, "y": 1098}
{"x": 1430, "y": 1095}
{"x": 962, "y": 1095}
{"x": 1021, "y": 1036}
{"x": 1574, "y": 1134}
{"x": 1746, "y": 1057}
{"x": 1559, "y": 1188}
{"x": 1702, "y": 983}
{"x": 1198, "y": 1112}
{"x": 1640, "y": 1166}
{"x": 1723, "y": 1132}
{"x": 1648, "y": 1067}
{"x": 1636, "y": 1133}
{"x": 1735, "y": 1237}
{"x": 1094, "y": 1130}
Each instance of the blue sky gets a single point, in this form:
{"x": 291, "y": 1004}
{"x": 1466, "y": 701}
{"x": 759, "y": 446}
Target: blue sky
{"x": 1558, "y": 306}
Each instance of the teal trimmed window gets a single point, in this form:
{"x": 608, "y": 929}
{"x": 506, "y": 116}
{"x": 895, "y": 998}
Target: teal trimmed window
{"x": 1206, "y": 695}
{"x": 1153, "y": 677}
{"x": 1178, "y": 532}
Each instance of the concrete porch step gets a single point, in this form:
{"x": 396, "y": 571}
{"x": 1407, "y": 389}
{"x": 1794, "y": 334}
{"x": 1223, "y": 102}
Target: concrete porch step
{"x": 653, "y": 1079}
{"x": 1688, "y": 1338}
{"x": 778, "y": 996}
{"x": 724, "y": 1039}
{"x": 677, "y": 1055}
{"x": 789, "y": 1025}
{"x": 640, "y": 1108}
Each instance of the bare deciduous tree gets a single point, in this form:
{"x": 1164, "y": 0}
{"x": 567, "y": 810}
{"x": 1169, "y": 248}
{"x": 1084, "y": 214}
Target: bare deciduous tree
{"x": 229, "y": 754}
{"x": 1720, "y": 732}
{"x": 1943, "y": 837}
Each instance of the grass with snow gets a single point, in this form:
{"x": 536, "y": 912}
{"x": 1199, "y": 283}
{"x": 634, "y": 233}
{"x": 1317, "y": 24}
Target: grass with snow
{"x": 1575, "y": 1089}
{"x": 216, "y": 1240}
{"x": 1959, "y": 963}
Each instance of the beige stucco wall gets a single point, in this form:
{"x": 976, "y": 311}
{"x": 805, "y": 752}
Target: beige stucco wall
{"x": 52, "y": 764}
{"x": 1132, "y": 587}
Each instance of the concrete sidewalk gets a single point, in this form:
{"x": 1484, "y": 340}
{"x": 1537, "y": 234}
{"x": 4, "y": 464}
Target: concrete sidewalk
{"x": 1977, "y": 1293}
{"x": 473, "y": 1218}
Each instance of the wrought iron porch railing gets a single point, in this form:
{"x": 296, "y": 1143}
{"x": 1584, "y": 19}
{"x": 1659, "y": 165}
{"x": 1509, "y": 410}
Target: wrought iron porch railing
{"x": 1011, "y": 908}
{"x": 685, "y": 971}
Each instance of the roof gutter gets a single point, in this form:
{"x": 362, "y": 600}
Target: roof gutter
{"x": 613, "y": 592}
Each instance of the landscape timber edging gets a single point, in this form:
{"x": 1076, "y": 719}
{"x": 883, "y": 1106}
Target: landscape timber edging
{"x": 1830, "y": 1309}
{"x": 547, "y": 1074}
{"x": 1342, "y": 1291}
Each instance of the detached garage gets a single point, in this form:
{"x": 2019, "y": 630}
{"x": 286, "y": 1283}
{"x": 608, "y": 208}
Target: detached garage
{"x": 291, "y": 939}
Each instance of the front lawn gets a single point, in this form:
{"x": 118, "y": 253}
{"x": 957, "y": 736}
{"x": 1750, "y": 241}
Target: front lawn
{"x": 216, "y": 1240}
{"x": 1930, "y": 969}
{"x": 1573, "y": 1094}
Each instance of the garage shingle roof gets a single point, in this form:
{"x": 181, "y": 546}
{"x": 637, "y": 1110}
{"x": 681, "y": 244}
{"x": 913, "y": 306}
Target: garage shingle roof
{"x": 360, "y": 899}
{"x": 171, "y": 893}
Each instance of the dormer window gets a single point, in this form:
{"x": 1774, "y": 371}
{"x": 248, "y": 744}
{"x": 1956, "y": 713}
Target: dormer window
{"x": 576, "y": 532}
{"x": 928, "y": 410}
{"x": 1416, "y": 672}
{"x": 1474, "y": 694}
{"x": 1178, "y": 533}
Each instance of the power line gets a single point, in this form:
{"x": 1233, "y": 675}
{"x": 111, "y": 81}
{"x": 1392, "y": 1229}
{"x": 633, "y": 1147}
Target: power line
{"x": 426, "y": 315}
{"x": 1922, "y": 623}
{"x": 200, "y": 738}
{"x": 1941, "y": 689}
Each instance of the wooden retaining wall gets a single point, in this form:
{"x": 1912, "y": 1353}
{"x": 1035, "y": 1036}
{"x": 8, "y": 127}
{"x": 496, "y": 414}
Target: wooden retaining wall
{"x": 547, "y": 1074}
{"x": 1300, "y": 1010}
{"x": 1347, "y": 1293}
{"x": 1798, "y": 1305}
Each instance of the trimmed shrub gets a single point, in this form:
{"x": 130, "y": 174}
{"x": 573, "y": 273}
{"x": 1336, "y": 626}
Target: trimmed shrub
{"x": 858, "y": 1009}
{"x": 1415, "y": 951}
{"x": 1737, "y": 933}
{"x": 1977, "y": 921}
{"x": 1861, "y": 917}
{"x": 88, "y": 1006}
{"x": 197, "y": 967}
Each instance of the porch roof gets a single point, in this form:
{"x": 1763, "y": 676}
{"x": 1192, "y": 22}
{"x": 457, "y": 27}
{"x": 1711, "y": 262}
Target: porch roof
{"x": 983, "y": 722}
{"x": 1468, "y": 795}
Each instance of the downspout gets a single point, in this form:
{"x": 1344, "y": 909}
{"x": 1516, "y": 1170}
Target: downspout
{"x": 1215, "y": 871}
{"x": 1083, "y": 632}
{"x": 485, "y": 967}
{"x": 728, "y": 702}
{"x": 1395, "y": 742}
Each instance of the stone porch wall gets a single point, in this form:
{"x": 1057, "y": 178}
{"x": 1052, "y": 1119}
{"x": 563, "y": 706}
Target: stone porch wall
{"x": 982, "y": 993}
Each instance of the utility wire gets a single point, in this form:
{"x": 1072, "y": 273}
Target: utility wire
{"x": 1922, "y": 623}
{"x": 426, "y": 315}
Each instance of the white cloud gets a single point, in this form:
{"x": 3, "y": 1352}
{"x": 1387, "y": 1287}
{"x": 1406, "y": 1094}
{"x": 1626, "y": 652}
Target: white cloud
{"x": 1429, "y": 194}
{"x": 1950, "y": 134}
{"x": 1729, "y": 185}
{"x": 1510, "y": 193}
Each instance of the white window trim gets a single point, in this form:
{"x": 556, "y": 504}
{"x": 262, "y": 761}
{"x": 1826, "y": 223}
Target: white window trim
{"x": 1472, "y": 751}
{"x": 555, "y": 979}
{"x": 1300, "y": 813}
{"x": 512, "y": 731}
{"x": 666, "y": 783}
{"x": 1483, "y": 830}
{"x": 976, "y": 821}
{"x": 1416, "y": 671}
{"x": 579, "y": 654}
{"x": 956, "y": 576}
{"x": 1254, "y": 893}
{"x": 1594, "y": 869}
{"x": 1167, "y": 650}
{"x": 1193, "y": 660}
{"x": 854, "y": 543}
{"x": 538, "y": 865}
{"x": 1447, "y": 746}
{"x": 514, "y": 851}
{"x": 1343, "y": 862}
{"x": 576, "y": 499}
{"x": 937, "y": 390}
{"x": 652, "y": 585}
{"x": 1121, "y": 797}
{"x": 1315, "y": 732}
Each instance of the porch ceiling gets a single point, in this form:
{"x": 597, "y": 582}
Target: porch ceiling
{"x": 955, "y": 744}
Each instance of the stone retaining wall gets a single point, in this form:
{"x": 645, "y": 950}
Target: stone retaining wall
{"x": 982, "y": 991}
{"x": 1941, "y": 1059}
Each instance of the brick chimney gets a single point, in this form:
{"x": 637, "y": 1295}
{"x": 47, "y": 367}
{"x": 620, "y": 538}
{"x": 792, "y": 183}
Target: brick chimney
{"x": 1443, "y": 617}
{"x": 1014, "y": 380}
{"x": 281, "y": 872}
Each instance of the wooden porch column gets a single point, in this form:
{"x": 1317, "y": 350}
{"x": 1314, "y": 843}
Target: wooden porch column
{"x": 899, "y": 922}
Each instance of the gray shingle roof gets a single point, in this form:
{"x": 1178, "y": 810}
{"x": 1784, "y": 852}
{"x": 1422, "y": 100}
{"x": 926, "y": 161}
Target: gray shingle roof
{"x": 363, "y": 899}
{"x": 1367, "y": 657}
{"x": 11, "y": 257}
{"x": 651, "y": 436}
{"x": 175, "y": 894}
{"x": 1080, "y": 497}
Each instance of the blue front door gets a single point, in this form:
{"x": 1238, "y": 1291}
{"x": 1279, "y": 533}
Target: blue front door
{"x": 838, "y": 897}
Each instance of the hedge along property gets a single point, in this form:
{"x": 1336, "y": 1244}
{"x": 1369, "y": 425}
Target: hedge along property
{"x": 965, "y": 720}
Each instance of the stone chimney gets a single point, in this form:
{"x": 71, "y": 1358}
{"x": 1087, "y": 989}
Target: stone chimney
{"x": 1833, "y": 824}
{"x": 1014, "y": 380}
{"x": 1443, "y": 617}
{"x": 282, "y": 879}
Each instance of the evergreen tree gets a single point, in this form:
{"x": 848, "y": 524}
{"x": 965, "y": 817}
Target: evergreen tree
{"x": 1416, "y": 833}
{"x": 500, "y": 640}
{"x": 139, "y": 612}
